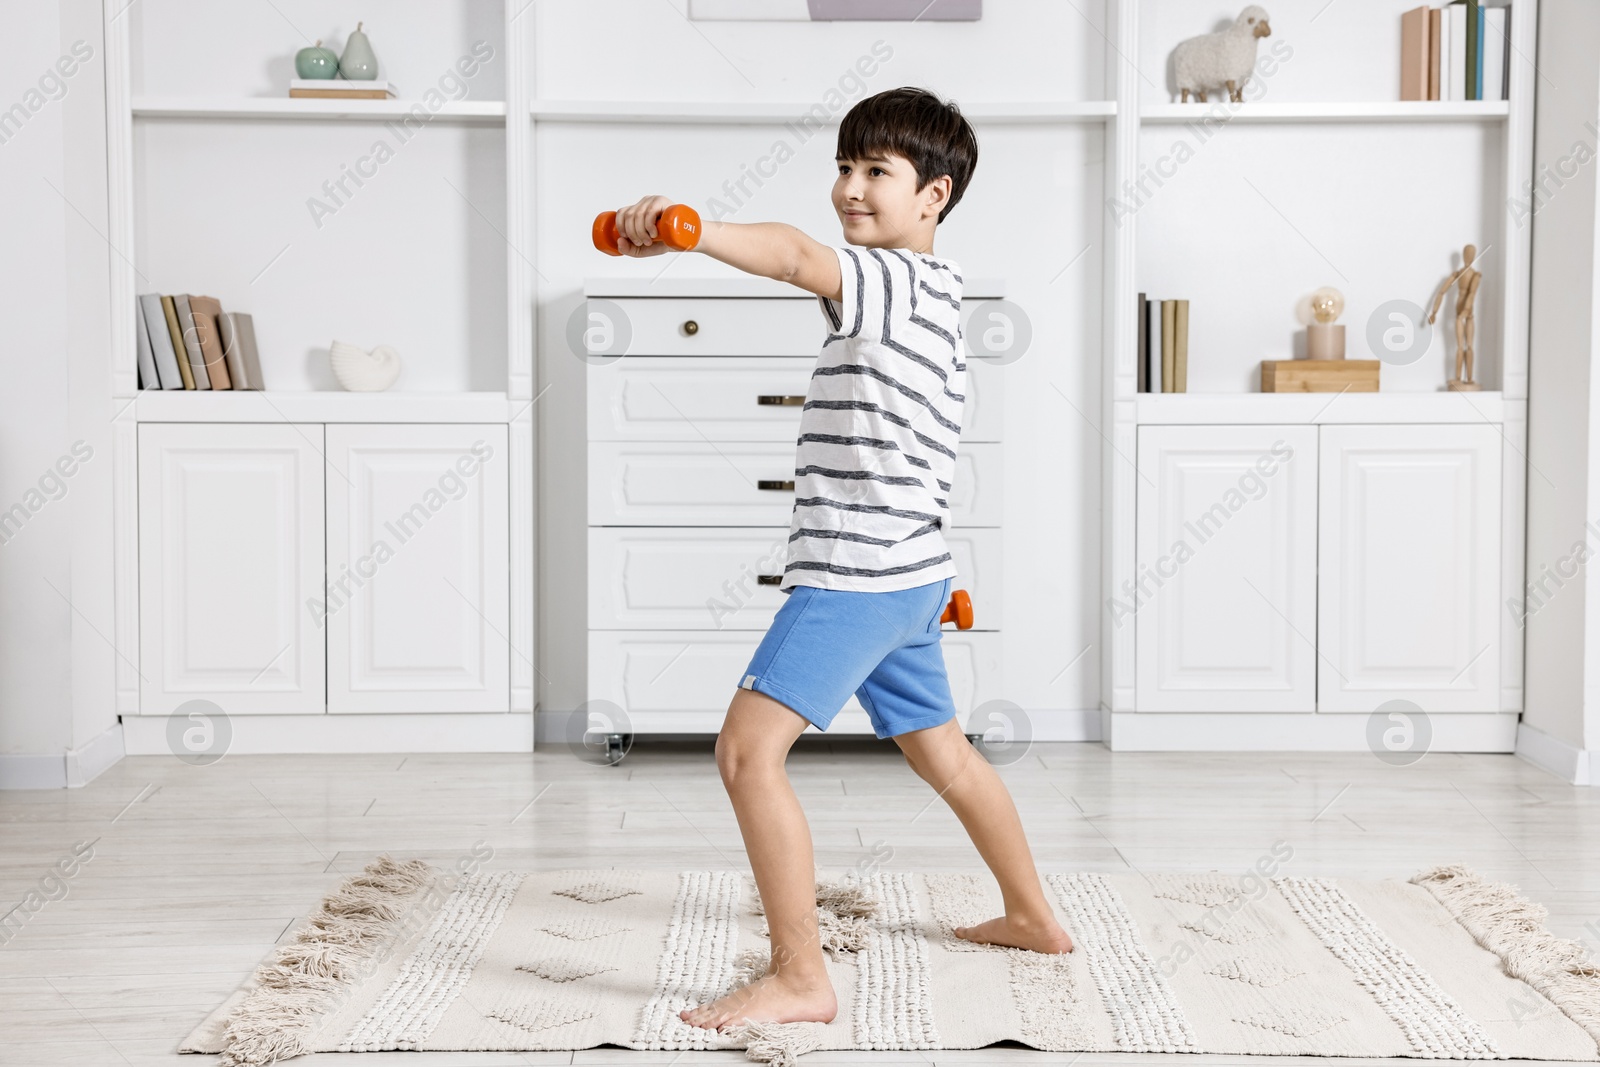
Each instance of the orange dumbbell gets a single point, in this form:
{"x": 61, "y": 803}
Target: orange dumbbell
{"x": 958, "y": 611}
{"x": 677, "y": 227}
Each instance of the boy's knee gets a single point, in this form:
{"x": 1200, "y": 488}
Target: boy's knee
{"x": 942, "y": 762}
{"x": 735, "y": 755}
{"x": 726, "y": 752}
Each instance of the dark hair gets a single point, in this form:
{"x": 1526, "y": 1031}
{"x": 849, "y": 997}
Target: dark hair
{"x": 916, "y": 124}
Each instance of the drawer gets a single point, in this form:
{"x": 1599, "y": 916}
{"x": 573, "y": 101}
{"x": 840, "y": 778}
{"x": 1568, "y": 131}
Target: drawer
{"x": 717, "y": 399}
{"x": 706, "y": 326}
{"x": 687, "y": 579}
{"x": 707, "y": 484}
{"x": 671, "y": 682}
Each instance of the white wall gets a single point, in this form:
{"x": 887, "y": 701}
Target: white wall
{"x": 57, "y": 723}
{"x": 1563, "y": 630}
{"x": 1034, "y": 204}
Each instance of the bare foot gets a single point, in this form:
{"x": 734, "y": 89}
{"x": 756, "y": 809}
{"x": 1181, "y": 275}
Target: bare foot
{"x": 771, "y": 998}
{"x": 1033, "y": 937}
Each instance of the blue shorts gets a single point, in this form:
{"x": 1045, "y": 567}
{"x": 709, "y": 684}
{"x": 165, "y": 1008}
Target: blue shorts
{"x": 825, "y": 644}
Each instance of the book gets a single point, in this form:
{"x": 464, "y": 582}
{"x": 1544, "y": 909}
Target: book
{"x": 1482, "y": 43}
{"x": 1457, "y": 71}
{"x": 1474, "y": 18}
{"x": 1414, "y": 54}
{"x": 191, "y": 341}
{"x": 1433, "y": 54}
{"x": 1142, "y": 371}
{"x": 239, "y": 349}
{"x": 148, "y": 379}
{"x": 1168, "y": 337}
{"x": 1180, "y": 346}
{"x": 206, "y": 311}
{"x": 155, "y": 323}
{"x": 1495, "y": 51}
{"x": 1153, "y": 344}
{"x": 339, "y": 89}
{"x": 169, "y": 311}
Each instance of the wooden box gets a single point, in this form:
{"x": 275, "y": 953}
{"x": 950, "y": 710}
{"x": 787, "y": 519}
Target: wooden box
{"x": 1319, "y": 375}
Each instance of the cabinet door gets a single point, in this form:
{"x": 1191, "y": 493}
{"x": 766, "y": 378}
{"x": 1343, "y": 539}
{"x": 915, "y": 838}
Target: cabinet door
{"x": 416, "y": 609}
{"x": 1223, "y": 609}
{"x": 1409, "y": 531}
{"x": 230, "y": 562}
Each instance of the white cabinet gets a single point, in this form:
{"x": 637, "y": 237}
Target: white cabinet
{"x": 1316, "y": 568}
{"x": 691, "y": 447}
{"x": 256, "y": 595}
{"x": 1409, "y": 550}
{"x": 417, "y": 562}
{"x": 1225, "y": 599}
{"x": 230, "y": 564}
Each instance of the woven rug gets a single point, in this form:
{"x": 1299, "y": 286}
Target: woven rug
{"x": 409, "y": 956}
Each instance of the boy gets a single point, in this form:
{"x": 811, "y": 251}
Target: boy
{"x": 867, "y": 573}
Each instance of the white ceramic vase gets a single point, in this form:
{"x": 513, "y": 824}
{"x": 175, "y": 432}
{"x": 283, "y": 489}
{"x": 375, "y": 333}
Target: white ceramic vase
{"x": 360, "y": 371}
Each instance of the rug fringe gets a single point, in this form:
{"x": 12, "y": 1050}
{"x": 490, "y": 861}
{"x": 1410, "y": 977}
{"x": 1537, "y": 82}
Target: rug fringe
{"x": 842, "y": 912}
{"x": 778, "y": 1044}
{"x": 295, "y": 984}
{"x": 1512, "y": 927}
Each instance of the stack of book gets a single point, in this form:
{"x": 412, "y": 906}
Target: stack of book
{"x": 1461, "y": 51}
{"x": 189, "y": 342}
{"x": 339, "y": 89}
{"x": 1163, "y": 345}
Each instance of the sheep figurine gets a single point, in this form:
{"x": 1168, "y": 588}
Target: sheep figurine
{"x": 1215, "y": 60}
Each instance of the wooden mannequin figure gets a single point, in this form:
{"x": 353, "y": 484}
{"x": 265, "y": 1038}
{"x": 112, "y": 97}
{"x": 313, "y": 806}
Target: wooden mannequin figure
{"x": 1466, "y": 282}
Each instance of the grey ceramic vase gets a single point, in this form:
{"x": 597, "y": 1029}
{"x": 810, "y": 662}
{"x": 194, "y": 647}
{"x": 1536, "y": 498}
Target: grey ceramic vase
{"x": 358, "y": 63}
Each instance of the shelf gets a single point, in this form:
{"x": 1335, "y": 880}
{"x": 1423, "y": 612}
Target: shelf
{"x": 694, "y": 288}
{"x": 311, "y": 110}
{"x": 185, "y": 405}
{"x": 1169, "y": 409}
{"x": 729, "y": 113}
{"x": 1329, "y": 111}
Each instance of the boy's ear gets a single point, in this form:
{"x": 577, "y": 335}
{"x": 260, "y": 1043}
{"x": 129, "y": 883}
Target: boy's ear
{"x": 938, "y": 192}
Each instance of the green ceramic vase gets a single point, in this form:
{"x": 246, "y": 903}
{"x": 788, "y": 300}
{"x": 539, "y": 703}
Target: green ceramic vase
{"x": 316, "y": 62}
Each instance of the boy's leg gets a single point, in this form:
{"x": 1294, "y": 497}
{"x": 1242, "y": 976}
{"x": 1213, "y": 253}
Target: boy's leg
{"x": 944, "y": 758}
{"x": 755, "y": 740}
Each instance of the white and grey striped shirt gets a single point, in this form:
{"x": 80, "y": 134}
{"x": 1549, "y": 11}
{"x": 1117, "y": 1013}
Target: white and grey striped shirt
{"x": 876, "y": 454}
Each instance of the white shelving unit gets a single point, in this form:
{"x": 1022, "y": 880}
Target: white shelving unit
{"x": 1397, "y": 186}
{"x": 212, "y": 184}
{"x": 1376, "y": 196}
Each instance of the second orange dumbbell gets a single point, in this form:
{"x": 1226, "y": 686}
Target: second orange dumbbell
{"x": 677, "y": 227}
{"x": 958, "y": 611}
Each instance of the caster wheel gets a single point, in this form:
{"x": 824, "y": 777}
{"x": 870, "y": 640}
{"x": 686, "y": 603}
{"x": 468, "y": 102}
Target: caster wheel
{"x": 976, "y": 739}
{"x": 616, "y": 748}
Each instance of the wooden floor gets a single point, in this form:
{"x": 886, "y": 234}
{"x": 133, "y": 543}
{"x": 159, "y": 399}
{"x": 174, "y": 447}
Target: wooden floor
{"x": 198, "y": 871}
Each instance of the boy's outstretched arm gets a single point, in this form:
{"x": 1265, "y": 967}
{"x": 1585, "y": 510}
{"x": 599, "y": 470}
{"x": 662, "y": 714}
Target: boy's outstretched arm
{"x": 769, "y": 249}
{"x": 775, "y": 250}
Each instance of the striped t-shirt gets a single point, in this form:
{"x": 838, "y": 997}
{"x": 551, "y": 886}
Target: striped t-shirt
{"x": 878, "y": 434}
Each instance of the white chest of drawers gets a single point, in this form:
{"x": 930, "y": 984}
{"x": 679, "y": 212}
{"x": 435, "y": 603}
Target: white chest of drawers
{"x": 694, "y": 395}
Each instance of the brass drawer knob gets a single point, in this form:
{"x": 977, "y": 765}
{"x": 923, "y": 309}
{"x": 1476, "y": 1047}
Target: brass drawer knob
{"x": 782, "y": 401}
{"x": 772, "y": 483}
{"x": 691, "y": 327}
